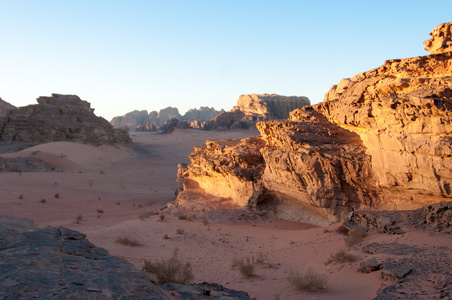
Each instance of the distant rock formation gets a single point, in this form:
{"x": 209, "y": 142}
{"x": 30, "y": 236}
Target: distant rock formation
{"x": 441, "y": 40}
{"x": 253, "y": 108}
{"x": 381, "y": 139}
{"x": 60, "y": 263}
{"x": 5, "y": 108}
{"x": 59, "y": 118}
{"x": 249, "y": 110}
{"x": 131, "y": 120}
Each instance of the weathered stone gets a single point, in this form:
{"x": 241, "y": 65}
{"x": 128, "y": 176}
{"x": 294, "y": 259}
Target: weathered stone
{"x": 441, "y": 40}
{"x": 60, "y": 118}
{"x": 60, "y": 263}
{"x": 23, "y": 164}
{"x": 5, "y": 108}
{"x": 369, "y": 266}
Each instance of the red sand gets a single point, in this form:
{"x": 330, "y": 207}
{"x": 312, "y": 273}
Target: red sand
{"x": 110, "y": 186}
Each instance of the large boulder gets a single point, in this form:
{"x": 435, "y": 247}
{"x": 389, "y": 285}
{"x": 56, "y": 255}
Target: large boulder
{"x": 59, "y": 118}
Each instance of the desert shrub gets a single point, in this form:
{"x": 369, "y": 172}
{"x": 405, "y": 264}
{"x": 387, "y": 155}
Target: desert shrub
{"x": 342, "y": 230}
{"x": 162, "y": 218}
{"x": 101, "y": 211}
{"x": 78, "y": 219}
{"x": 340, "y": 256}
{"x": 180, "y": 231}
{"x": 57, "y": 195}
{"x": 182, "y": 217}
{"x": 166, "y": 237}
{"x": 171, "y": 270}
{"x": 244, "y": 265}
{"x": 127, "y": 242}
{"x": 43, "y": 200}
{"x": 354, "y": 236}
{"x": 310, "y": 281}
{"x": 21, "y": 196}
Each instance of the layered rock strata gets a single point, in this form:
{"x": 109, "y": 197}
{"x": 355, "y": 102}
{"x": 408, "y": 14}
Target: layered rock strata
{"x": 5, "y": 108}
{"x": 380, "y": 140}
{"x": 59, "y": 263}
{"x": 59, "y": 118}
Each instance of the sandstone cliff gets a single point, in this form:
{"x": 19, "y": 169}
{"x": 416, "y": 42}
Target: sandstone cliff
{"x": 253, "y": 108}
{"x": 5, "y": 108}
{"x": 380, "y": 140}
{"x": 59, "y": 118}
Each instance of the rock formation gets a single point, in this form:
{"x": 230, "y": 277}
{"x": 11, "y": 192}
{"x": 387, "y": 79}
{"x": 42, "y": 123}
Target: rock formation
{"x": 441, "y": 40}
{"x": 253, "y": 108}
{"x": 131, "y": 119}
{"x": 59, "y": 263}
{"x": 381, "y": 139}
{"x": 59, "y": 118}
{"x": 267, "y": 107}
{"x": 249, "y": 110}
{"x": 5, "y": 108}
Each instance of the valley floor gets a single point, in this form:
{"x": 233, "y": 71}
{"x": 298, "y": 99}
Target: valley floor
{"x": 103, "y": 191}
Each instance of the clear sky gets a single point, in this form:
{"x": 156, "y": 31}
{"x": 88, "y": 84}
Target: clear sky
{"x": 130, "y": 54}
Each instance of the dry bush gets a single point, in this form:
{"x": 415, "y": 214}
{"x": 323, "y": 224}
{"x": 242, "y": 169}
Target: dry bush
{"x": 57, "y": 195}
{"x": 127, "y": 242}
{"x": 180, "y": 231}
{"x": 184, "y": 217}
{"x": 342, "y": 230}
{"x": 78, "y": 219}
{"x": 171, "y": 270}
{"x": 309, "y": 281}
{"x": 101, "y": 211}
{"x": 43, "y": 200}
{"x": 161, "y": 218}
{"x": 166, "y": 237}
{"x": 354, "y": 237}
{"x": 244, "y": 265}
{"x": 340, "y": 256}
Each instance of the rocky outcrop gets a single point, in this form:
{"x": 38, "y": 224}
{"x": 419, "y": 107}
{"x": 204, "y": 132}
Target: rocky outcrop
{"x": 381, "y": 139}
{"x": 59, "y": 263}
{"x": 441, "y": 40}
{"x": 23, "y": 164}
{"x": 131, "y": 120}
{"x": 267, "y": 107}
{"x": 59, "y": 118}
{"x": 253, "y": 108}
{"x": 249, "y": 110}
{"x": 5, "y": 108}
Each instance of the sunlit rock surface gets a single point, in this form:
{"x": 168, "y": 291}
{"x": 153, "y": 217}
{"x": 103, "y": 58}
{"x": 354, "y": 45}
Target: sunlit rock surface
{"x": 381, "y": 139}
{"x": 441, "y": 40}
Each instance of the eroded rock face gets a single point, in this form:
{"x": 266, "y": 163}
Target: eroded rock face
{"x": 59, "y": 118}
{"x": 5, "y": 108}
{"x": 381, "y": 139}
{"x": 441, "y": 40}
{"x": 131, "y": 119}
{"x": 228, "y": 168}
{"x": 253, "y": 108}
{"x": 59, "y": 263}
{"x": 266, "y": 107}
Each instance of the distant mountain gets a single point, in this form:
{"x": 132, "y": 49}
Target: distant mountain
{"x": 249, "y": 110}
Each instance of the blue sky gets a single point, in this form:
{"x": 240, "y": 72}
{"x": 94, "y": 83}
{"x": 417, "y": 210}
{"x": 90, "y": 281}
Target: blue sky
{"x": 127, "y": 55}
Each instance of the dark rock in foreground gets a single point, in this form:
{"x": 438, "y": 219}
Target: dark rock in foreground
{"x": 59, "y": 263}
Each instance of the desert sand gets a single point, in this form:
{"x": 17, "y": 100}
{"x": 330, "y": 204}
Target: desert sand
{"x": 109, "y": 188}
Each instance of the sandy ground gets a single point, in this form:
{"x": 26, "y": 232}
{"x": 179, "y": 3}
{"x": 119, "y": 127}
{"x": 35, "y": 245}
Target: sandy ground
{"x": 109, "y": 187}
